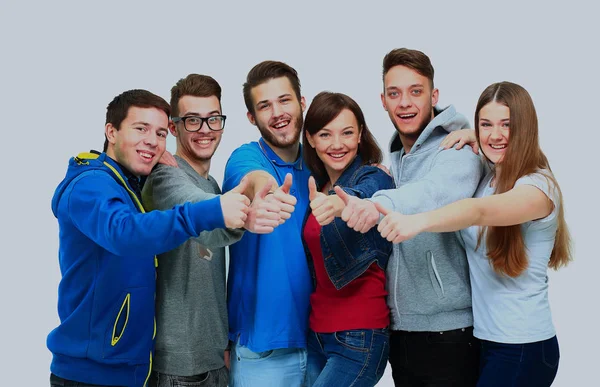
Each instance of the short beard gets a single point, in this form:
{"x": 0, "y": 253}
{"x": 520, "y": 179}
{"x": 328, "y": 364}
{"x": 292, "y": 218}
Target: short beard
{"x": 276, "y": 140}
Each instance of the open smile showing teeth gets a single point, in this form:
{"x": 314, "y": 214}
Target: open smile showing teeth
{"x": 204, "y": 141}
{"x": 407, "y": 116}
{"x": 337, "y": 155}
{"x": 146, "y": 155}
{"x": 499, "y": 146}
{"x": 281, "y": 124}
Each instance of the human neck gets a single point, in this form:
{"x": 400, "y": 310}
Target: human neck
{"x": 288, "y": 154}
{"x": 202, "y": 167}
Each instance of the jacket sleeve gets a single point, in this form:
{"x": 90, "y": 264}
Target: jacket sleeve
{"x": 167, "y": 187}
{"x": 454, "y": 175}
{"x": 369, "y": 180}
{"x": 101, "y": 209}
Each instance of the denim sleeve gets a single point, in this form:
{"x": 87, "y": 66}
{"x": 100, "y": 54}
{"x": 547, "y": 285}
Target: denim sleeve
{"x": 454, "y": 175}
{"x": 243, "y": 160}
{"x": 369, "y": 180}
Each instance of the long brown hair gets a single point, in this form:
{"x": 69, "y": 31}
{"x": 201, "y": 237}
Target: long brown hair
{"x": 523, "y": 156}
{"x": 325, "y": 107}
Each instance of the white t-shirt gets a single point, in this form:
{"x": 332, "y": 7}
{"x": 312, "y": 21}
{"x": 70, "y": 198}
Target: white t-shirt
{"x": 514, "y": 310}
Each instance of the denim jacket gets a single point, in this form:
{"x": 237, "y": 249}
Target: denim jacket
{"x": 348, "y": 253}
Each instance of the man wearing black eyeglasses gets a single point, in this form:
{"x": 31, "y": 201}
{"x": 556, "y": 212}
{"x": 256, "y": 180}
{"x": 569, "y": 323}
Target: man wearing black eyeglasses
{"x": 191, "y": 312}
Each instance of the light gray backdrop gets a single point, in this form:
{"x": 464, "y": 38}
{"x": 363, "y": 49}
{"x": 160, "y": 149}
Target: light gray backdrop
{"x": 61, "y": 63}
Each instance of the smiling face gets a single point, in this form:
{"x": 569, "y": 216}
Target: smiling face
{"x": 409, "y": 100}
{"x": 336, "y": 144}
{"x": 200, "y": 145}
{"x": 494, "y": 130}
{"x": 277, "y": 112}
{"x": 140, "y": 141}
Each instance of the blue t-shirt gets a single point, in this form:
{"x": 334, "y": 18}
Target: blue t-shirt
{"x": 269, "y": 283}
{"x": 506, "y": 309}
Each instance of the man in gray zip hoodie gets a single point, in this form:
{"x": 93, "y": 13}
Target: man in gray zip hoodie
{"x": 191, "y": 309}
{"x": 428, "y": 276}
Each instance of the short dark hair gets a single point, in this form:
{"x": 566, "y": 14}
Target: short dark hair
{"x": 196, "y": 85}
{"x": 412, "y": 59}
{"x": 265, "y": 71}
{"x": 325, "y": 107}
{"x": 117, "y": 109}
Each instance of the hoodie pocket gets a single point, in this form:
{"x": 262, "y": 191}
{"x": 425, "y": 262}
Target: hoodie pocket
{"x": 434, "y": 276}
{"x": 128, "y": 335}
{"x": 121, "y": 321}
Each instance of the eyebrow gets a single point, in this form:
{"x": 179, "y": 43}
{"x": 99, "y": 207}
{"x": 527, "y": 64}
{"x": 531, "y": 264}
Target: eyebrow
{"x": 502, "y": 120}
{"x": 410, "y": 87}
{"x": 347, "y": 127}
{"x": 198, "y": 114}
{"x": 141, "y": 123}
{"x": 281, "y": 96}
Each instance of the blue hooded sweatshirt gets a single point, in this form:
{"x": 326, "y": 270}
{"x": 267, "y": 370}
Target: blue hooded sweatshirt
{"x": 107, "y": 248}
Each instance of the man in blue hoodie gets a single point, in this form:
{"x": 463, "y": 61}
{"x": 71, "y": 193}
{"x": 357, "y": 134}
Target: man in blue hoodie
{"x": 432, "y": 339}
{"x": 107, "y": 248}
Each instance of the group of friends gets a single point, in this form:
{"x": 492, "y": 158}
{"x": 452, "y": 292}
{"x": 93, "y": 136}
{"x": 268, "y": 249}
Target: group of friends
{"x": 337, "y": 265}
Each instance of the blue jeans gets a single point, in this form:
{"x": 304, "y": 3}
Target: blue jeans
{"x": 278, "y": 367}
{"x": 213, "y": 378}
{"x": 347, "y": 358}
{"x": 515, "y": 365}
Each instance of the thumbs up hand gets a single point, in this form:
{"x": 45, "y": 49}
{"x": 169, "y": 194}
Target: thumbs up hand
{"x": 263, "y": 216}
{"x": 396, "y": 227}
{"x": 234, "y": 205}
{"x": 359, "y": 214}
{"x": 321, "y": 205}
{"x": 282, "y": 197}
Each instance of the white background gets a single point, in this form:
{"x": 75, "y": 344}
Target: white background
{"x": 61, "y": 63}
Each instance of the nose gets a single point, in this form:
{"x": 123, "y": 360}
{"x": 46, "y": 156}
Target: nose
{"x": 151, "y": 139}
{"x": 277, "y": 110}
{"x": 336, "y": 142}
{"x": 496, "y": 133}
{"x": 405, "y": 100}
{"x": 204, "y": 127}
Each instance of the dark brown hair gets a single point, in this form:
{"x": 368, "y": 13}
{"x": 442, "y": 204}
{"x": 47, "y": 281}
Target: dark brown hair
{"x": 117, "y": 109}
{"x": 412, "y": 59}
{"x": 195, "y": 85}
{"x": 505, "y": 245}
{"x": 325, "y": 107}
{"x": 265, "y": 71}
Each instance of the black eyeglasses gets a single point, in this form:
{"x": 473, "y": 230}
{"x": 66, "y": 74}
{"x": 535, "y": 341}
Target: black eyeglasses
{"x": 194, "y": 123}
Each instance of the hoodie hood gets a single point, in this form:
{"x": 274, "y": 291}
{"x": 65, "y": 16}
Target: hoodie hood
{"x": 444, "y": 120}
{"x": 79, "y": 164}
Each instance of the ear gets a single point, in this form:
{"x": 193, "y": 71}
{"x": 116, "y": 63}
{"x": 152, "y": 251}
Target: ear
{"x": 251, "y": 118}
{"x": 303, "y": 104}
{"x": 172, "y": 128}
{"x": 435, "y": 95}
{"x": 111, "y": 133}
{"x": 360, "y": 132}
{"x": 383, "y": 102}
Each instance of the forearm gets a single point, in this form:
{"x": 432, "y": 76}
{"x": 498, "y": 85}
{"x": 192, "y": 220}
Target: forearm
{"x": 258, "y": 179}
{"x": 453, "y": 217}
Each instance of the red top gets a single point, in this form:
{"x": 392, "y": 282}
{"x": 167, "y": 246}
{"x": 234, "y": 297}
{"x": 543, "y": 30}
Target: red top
{"x": 359, "y": 305}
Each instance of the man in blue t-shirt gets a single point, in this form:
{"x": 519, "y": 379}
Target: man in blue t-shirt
{"x": 269, "y": 284}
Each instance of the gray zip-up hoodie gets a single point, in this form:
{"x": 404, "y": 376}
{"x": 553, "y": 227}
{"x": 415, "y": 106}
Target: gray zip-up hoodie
{"x": 428, "y": 276}
{"x": 191, "y": 308}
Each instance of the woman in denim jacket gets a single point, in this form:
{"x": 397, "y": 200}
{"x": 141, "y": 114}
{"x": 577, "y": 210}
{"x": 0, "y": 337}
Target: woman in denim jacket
{"x": 348, "y": 338}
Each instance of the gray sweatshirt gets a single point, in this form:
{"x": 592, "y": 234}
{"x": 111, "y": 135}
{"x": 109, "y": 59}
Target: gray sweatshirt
{"x": 428, "y": 276}
{"x": 191, "y": 309}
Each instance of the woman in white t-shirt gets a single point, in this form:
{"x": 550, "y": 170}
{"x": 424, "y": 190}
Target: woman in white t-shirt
{"x": 513, "y": 230}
